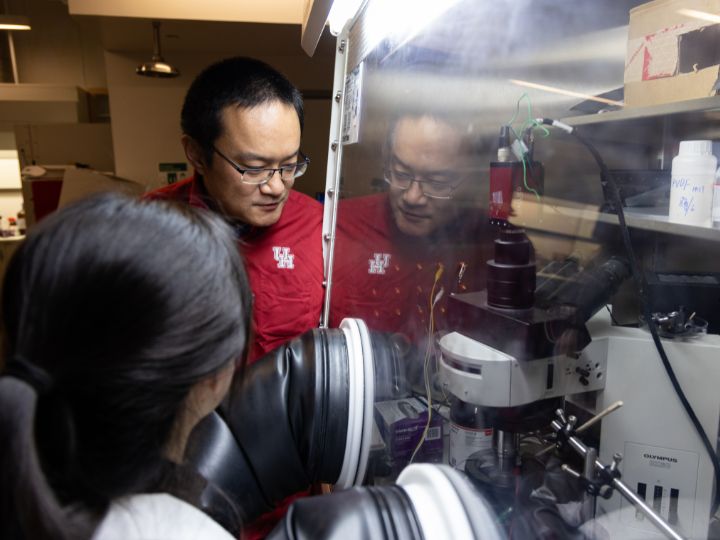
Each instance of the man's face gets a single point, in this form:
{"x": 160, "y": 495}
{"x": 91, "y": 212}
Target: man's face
{"x": 265, "y": 136}
{"x": 431, "y": 151}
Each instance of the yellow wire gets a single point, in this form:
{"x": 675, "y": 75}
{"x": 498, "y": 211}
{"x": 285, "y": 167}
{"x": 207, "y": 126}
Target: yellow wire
{"x": 426, "y": 360}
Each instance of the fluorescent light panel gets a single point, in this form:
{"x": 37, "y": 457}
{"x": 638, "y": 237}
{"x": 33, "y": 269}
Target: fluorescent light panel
{"x": 14, "y": 22}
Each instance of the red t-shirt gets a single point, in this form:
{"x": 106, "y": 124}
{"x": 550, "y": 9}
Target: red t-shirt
{"x": 284, "y": 263}
{"x": 387, "y": 278}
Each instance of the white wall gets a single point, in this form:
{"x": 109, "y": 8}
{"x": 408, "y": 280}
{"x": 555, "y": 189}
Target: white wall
{"x": 145, "y": 112}
{"x": 59, "y": 49}
{"x": 10, "y": 194}
{"x": 10, "y": 205}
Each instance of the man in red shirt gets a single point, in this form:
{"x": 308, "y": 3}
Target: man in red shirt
{"x": 242, "y": 122}
{"x": 400, "y": 254}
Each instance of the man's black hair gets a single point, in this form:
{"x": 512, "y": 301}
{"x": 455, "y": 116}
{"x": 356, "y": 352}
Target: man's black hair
{"x": 241, "y": 82}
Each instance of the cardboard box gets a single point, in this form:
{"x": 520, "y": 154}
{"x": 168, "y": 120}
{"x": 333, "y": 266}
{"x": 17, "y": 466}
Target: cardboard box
{"x": 673, "y": 54}
{"x": 401, "y": 423}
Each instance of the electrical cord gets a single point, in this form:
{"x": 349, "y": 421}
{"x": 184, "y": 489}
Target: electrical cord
{"x": 426, "y": 361}
{"x": 608, "y": 181}
{"x": 522, "y": 150}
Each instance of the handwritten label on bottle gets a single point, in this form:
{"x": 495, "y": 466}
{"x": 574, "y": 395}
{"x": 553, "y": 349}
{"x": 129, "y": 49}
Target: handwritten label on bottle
{"x": 680, "y": 183}
{"x": 686, "y": 205}
{"x": 691, "y": 200}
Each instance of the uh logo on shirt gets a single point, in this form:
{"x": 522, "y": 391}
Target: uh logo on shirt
{"x": 284, "y": 257}
{"x": 378, "y": 263}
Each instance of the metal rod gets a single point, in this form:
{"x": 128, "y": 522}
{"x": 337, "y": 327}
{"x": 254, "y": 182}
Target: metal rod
{"x": 13, "y": 59}
{"x": 588, "y": 503}
{"x": 599, "y": 416}
{"x": 341, "y": 73}
{"x": 157, "y": 51}
{"x": 578, "y": 446}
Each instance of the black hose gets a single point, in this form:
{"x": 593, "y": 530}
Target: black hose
{"x": 381, "y": 513}
{"x": 608, "y": 181}
{"x": 289, "y": 413}
{"x": 282, "y": 428}
{"x": 284, "y": 424}
{"x": 410, "y": 510}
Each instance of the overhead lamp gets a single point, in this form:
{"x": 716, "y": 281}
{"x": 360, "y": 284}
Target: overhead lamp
{"x": 157, "y": 67}
{"x": 14, "y": 22}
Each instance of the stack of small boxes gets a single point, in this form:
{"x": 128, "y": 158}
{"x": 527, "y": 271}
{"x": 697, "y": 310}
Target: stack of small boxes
{"x": 402, "y": 423}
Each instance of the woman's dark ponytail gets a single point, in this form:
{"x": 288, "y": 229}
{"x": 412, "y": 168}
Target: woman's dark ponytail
{"x": 28, "y": 507}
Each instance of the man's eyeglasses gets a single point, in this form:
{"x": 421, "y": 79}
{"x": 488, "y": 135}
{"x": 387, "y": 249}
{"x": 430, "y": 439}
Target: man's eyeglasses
{"x": 435, "y": 189}
{"x": 259, "y": 177}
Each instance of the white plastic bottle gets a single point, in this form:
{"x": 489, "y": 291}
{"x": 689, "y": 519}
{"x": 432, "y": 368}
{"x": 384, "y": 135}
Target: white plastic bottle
{"x": 692, "y": 184}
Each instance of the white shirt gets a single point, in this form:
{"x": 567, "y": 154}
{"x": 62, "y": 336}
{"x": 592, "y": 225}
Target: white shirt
{"x": 157, "y": 516}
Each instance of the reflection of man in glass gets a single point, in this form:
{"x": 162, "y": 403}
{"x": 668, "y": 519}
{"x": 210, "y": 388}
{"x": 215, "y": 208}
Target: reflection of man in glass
{"x": 400, "y": 254}
{"x": 427, "y": 161}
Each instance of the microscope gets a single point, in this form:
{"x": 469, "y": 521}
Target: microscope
{"x": 516, "y": 355}
{"x": 517, "y": 349}
{"x": 530, "y": 340}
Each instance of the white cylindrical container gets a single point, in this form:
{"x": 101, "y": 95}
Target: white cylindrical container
{"x": 691, "y": 184}
{"x": 469, "y": 433}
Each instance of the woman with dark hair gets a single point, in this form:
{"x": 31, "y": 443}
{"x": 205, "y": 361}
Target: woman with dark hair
{"x": 124, "y": 321}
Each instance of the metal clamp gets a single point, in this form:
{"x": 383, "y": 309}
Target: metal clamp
{"x": 594, "y": 420}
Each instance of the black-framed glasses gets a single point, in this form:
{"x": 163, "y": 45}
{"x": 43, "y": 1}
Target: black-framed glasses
{"x": 435, "y": 189}
{"x": 261, "y": 176}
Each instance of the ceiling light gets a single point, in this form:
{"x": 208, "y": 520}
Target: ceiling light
{"x": 157, "y": 67}
{"x": 14, "y": 22}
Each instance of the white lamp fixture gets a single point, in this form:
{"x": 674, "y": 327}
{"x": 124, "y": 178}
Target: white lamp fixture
{"x": 14, "y": 22}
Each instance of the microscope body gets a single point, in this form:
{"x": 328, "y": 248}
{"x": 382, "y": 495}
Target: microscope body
{"x": 509, "y": 348}
{"x": 528, "y": 367}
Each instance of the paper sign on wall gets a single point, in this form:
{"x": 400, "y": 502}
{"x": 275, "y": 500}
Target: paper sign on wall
{"x": 351, "y": 110}
{"x": 169, "y": 173}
